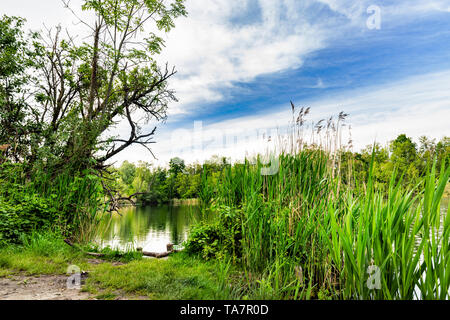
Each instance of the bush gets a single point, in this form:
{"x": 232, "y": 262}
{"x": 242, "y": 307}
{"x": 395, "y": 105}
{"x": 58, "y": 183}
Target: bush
{"x": 21, "y": 209}
{"x": 204, "y": 239}
{"x": 20, "y": 217}
{"x": 68, "y": 202}
{"x": 219, "y": 238}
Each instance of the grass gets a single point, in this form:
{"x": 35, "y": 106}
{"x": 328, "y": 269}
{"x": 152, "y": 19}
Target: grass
{"x": 301, "y": 239}
{"x": 281, "y": 218}
{"x": 40, "y": 254}
{"x": 71, "y": 202}
{"x": 308, "y": 233}
{"x": 179, "y": 277}
{"x": 398, "y": 234}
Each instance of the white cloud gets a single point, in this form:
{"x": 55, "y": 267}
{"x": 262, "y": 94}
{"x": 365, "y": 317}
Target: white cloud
{"x": 415, "y": 106}
{"x": 211, "y": 53}
{"x": 49, "y": 13}
{"x": 357, "y": 10}
{"x": 221, "y": 42}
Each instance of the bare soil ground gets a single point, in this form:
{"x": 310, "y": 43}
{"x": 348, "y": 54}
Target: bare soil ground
{"x": 51, "y": 287}
{"x": 45, "y": 287}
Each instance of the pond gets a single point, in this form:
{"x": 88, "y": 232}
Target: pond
{"x": 150, "y": 228}
{"x": 444, "y": 208}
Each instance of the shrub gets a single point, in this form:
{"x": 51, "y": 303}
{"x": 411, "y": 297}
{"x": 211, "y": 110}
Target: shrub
{"x": 219, "y": 238}
{"x": 20, "y": 217}
{"x": 68, "y": 203}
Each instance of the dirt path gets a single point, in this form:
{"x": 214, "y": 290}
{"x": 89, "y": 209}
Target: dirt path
{"x": 45, "y": 287}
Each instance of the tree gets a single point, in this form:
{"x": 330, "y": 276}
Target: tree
{"x": 427, "y": 146}
{"x": 83, "y": 90}
{"x": 404, "y": 155}
{"x": 176, "y": 166}
{"x": 127, "y": 172}
{"x": 142, "y": 181}
{"x": 17, "y": 56}
{"x": 380, "y": 153}
{"x": 443, "y": 150}
{"x": 382, "y": 166}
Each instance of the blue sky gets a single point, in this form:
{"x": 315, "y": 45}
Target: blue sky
{"x": 391, "y": 80}
{"x": 375, "y": 58}
{"x": 240, "y": 62}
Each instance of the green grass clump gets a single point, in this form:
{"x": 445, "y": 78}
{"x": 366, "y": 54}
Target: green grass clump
{"x": 309, "y": 231}
{"x": 40, "y": 253}
{"x": 401, "y": 234}
{"x": 179, "y": 277}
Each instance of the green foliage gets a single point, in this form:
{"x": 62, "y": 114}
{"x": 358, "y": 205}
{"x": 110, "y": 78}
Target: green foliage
{"x": 18, "y": 218}
{"x": 19, "y": 56}
{"x": 21, "y": 211}
{"x": 204, "y": 240}
{"x": 127, "y": 173}
{"x": 176, "y": 166}
{"x": 40, "y": 253}
{"x": 393, "y": 233}
{"x": 308, "y": 233}
{"x": 443, "y": 150}
{"x": 58, "y": 100}
{"x": 159, "y": 185}
{"x": 403, "y": 155}
{"x": 219, "y": 238}
{"x": 68, "y": 204}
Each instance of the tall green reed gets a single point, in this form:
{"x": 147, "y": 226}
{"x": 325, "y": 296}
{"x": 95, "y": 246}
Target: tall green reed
{"x": 340, "y": 232}
{"x": 398, "y": 234}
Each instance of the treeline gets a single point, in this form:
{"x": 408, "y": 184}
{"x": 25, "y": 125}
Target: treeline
{"x": 409, "y": 158}
{"x": 161, "y": 185}
{"x": 180, "y": 181}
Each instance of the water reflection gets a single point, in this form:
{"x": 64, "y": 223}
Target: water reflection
{"x": 150, "y": 228}
{"x": 443, "y": 215}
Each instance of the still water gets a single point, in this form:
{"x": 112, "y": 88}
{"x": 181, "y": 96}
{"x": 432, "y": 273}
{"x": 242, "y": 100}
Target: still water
{"x": 150, "y": 228}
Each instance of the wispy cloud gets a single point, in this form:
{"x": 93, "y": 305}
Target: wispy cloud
{"x": 228, "y": 42}
{"x": 416, "y": 106}
{"x": 212, "y": 54}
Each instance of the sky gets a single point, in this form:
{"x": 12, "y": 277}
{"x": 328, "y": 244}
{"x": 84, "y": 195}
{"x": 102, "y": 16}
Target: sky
{"x": 241, "y": 62}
